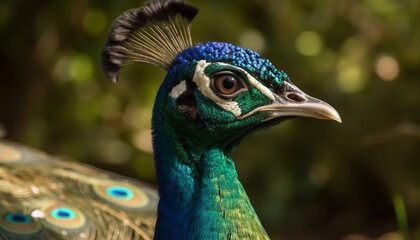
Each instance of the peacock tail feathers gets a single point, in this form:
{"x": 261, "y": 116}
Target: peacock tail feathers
{"x": 46, "y": 197}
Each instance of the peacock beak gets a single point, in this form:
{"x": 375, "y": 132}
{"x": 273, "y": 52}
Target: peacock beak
{"x": 293, "y": 102}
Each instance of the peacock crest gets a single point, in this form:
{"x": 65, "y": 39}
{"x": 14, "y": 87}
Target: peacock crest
{"x": 213, "y": 95}
{"x": 155, "y": 33}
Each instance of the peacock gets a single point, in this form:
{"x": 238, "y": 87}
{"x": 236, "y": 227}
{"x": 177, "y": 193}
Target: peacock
{"x": 214, "y": 94}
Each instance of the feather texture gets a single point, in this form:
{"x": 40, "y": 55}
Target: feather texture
{"x": 50, "y": 198}
{"x": 196, "y": 126}
{"x": 155, "y": 33}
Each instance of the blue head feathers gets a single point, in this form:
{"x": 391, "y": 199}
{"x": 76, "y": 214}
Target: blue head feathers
{"x": 219, "y": 86}
{"x": 257, "y": 66}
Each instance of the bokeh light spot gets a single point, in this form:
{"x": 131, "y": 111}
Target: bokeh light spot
{"x": 384, "y": 7}
{"x": 391, "y": 236}
{"x": 94, "y": 21}
{"x": 387, "y": 68}
{"x": 81, "y": 68}
{"x": 309, "y": 43}
{"x": 351, "y": 79}
{"x": 252, "y": 39}
{"x": 60, "y": 70}
{"x": 354, "y": 49}
{"x": 143, "y": 140}
{"x": 138, "y": 117}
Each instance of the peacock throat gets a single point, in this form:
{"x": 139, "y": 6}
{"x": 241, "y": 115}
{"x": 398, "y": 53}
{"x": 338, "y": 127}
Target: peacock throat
{"x": 200, "y": 193}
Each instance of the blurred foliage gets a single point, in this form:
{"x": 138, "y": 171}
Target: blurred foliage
{"x": 307, "y": 179}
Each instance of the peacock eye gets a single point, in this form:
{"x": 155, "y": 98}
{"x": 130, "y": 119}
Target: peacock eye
{"x": 227, "y": 84}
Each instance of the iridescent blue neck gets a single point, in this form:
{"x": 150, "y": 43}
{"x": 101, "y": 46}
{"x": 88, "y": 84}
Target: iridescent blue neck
{"x": 200, "y": 194}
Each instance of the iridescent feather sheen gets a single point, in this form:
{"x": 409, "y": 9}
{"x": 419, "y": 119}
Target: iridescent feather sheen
{"x": 196, "y": 126}
{"x": 52, "y": 198}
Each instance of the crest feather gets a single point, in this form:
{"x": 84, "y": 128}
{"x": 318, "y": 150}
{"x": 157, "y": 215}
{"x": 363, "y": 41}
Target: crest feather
{"x": 155, "y": 33}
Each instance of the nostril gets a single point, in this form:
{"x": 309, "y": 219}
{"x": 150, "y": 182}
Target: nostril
{"x": 295, "y": 97}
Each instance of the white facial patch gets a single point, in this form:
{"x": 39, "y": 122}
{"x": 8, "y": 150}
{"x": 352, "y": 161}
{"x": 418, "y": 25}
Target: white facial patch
{"x": 178, "y": 90}
{"x": 203, "y": 84}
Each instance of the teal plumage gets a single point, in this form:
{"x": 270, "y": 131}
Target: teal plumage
{"x": 213, "y": 95}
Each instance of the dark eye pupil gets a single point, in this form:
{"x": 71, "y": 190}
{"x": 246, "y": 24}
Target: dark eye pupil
{"x": 226, "y": 84}
{"x": 229, "y": 82}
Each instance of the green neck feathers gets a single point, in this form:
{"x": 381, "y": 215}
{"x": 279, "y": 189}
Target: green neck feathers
{"x": 200, "y": 193}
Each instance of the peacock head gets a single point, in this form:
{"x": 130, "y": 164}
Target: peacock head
{"x": 214, "y": 89}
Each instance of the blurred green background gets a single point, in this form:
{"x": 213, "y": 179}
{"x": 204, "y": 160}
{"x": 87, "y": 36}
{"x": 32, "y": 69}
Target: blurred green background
{"x": 308, "y": 179}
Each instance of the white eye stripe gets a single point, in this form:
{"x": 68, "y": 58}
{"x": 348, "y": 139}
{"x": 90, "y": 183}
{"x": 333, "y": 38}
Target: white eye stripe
{"x": 178, "y": 89}
{"x": 203, "y": 83}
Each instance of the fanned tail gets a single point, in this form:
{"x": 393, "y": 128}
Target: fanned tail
{"x": 45, "y": 197}
{"x": 154, "y": 33}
